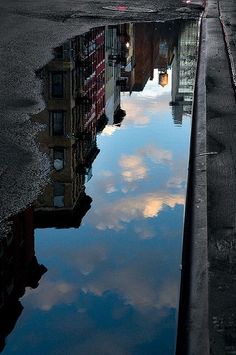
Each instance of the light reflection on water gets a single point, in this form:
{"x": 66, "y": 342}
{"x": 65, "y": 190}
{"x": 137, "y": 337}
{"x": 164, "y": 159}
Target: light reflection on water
{"x": 112, "y": 285}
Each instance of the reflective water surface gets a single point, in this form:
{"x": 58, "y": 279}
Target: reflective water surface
{"x": 93, "y": 266}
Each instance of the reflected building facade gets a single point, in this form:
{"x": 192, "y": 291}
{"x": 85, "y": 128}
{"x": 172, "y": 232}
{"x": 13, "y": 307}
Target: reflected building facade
{"x": 171, "y": 45}
{"x": 153, "y": 48}
{"x": 183, "y": 71}
{"x": 145, "y": 54}
{"x": 75, "y": 109}
{"x": 82, "y": 86}
{"x": 119, "y": 59}
{"x": 167, "y": 42}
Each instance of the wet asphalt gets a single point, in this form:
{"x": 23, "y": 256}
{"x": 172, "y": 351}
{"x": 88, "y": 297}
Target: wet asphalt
{"x": 29, "y": 31}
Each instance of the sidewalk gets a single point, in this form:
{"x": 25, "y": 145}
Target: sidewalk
{"x": 207, "y": 315}
{"x": 221, "y": 175}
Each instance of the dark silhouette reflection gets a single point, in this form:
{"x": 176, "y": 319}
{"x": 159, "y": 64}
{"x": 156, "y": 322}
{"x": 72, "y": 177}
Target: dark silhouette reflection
{"x": 19, "y": 269}
{"x": 82, "y": 89}
{"x": 63, "y": 218}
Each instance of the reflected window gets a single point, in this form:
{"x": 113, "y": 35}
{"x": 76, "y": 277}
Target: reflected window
{"x": 57, "y": 123}
{"x": 58, "y": 195}
{"x": 58, "y": 159}
{"x": 57, "y": 84}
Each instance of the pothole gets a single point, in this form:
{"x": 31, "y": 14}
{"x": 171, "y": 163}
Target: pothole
{"x": 124, "y": 8}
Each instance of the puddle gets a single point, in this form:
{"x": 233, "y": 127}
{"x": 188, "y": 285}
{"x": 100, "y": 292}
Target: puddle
{"x": 93, "y": 266}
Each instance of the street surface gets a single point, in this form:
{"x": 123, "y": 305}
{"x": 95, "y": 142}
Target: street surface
{"x": 29, "y": 31}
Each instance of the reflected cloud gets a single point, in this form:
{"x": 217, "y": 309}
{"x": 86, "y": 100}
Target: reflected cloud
{"x": 157, "y": 155}
{"x": 126, "y": 278}
{"x": 105, "y": 343}
{"x": 106, "y": 173}
{"x": 109, "y": 130}
{"x": 139, "y": 109}
{"x": 168, "y": 294}
{"x": 179, "y": 175}
{"x": 135, "y": 112}
{"x": 132, "y": 283}
{"x": 146, "y": 205}
{"x": 133, "y": 168}
{"x": 88, "y": 258}
{"x": 110, "y": 189}
{"x": 51, "y": 293}
{"x": 107, "y": 182}
{"x": 144, "y": 232}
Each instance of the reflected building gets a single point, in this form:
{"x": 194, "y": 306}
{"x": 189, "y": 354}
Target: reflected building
{"x": 127, "y": 36}
{"x": 19, "y": 269}
{"x": 167, "y": 41}
{"x": 118, "y": 56}
{"x": 126, "y": 39}
{"x": 82, "y": 86}
{"x": 146, "y": 44}
{"x": 170, "y": 45}
{"x": 119, "y": 63}
{"x": 183, "y": 71}
{"x": 165, "y": 58}
{"x": 153, "y": 49}
{"x": 74, "y": 91}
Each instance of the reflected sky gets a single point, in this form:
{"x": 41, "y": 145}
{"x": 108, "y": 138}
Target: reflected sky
{"x": 112, "y": 285}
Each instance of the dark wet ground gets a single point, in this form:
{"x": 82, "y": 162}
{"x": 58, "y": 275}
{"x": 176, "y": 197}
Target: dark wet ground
{"x": 93, "y": 266}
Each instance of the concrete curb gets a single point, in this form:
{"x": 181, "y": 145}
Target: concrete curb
{"x": 192, "y": 335}
{"x": 203, "y": 284}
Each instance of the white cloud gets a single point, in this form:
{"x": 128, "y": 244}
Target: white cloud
{"x": 50, "y": 293}
{"x": 133, "y": 168}
{"x": 179, "y": 175}
{"x": 133, "y": 284}
{"x": 144, "y": 232}
{"x": 157, "y": 155}
{"x": 147, "y": 205}
{"x": 109, "y": 130}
